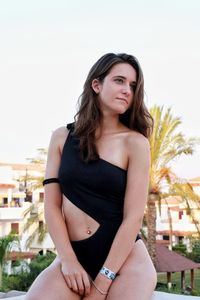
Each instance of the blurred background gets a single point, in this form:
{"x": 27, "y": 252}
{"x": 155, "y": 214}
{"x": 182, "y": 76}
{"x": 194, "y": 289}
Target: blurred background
{"x": 47, "y": 48}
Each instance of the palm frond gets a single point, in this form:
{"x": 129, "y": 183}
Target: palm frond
{"x": 31, "y": 238}
{"x": 6, "y": 244}
{"x": 167, "y": 144}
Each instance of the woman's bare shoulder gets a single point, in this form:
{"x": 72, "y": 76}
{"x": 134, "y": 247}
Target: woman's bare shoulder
{"x": 59, "y": 136}
{"x": 60, "y": 132}
{"x": 136, "y": 141}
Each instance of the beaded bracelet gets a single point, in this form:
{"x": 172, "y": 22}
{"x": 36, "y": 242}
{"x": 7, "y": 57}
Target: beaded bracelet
{"x": 98, "y": 289}
{"x": 108, "y": 273}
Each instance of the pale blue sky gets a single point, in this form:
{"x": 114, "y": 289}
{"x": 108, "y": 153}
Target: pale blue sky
{"x": 48, "y": 47}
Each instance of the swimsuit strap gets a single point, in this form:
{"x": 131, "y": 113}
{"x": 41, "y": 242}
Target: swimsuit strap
{"x": 70, "y": 126}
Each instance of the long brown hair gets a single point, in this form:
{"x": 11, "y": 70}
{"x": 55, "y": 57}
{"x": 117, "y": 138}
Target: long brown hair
{"x": 89, "y": 116}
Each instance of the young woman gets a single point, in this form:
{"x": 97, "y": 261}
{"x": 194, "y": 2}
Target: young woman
{"x": 96, "y": 189}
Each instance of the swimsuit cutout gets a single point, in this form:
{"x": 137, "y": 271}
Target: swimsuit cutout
{"x": 98, "y": 189}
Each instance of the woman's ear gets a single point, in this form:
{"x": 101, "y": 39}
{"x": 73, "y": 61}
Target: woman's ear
{"x": 96, "y": 85}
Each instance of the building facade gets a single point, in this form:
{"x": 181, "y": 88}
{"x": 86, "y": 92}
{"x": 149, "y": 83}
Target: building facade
{"x": 22, "y": 198}
{"x": 175, "y": 222}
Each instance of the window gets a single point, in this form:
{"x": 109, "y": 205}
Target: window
{"x": 16, "y": 201}
{"x": 180, "y": 214}
{"x": 15, "y": 228}
{"x": 5, "y": 201}
{"x": 180, "y": 239}
{"x": 166, "y": 237}
{"x": 41, "y": 197}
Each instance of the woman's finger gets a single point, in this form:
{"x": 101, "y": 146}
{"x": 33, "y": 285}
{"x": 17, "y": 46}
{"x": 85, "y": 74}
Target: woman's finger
{"x": 86, "y": 283}
{"x": 68, "y": 281}
{"x": 73, "y": 283}
{"x": 79, "y": 281}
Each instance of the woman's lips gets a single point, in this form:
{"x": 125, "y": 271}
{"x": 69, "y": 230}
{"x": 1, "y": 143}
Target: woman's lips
{"x": 122, "y": 99}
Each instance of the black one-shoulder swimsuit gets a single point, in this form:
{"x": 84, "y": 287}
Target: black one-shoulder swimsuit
{"x": 98, "y": 189}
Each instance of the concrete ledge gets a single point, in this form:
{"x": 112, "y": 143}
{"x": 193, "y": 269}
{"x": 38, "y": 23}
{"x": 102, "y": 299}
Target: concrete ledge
{"x": 168, "y": 296}
{"x": 156, "y": 296}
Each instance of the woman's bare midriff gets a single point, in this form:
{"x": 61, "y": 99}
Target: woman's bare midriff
{"x": 79, "y": 225}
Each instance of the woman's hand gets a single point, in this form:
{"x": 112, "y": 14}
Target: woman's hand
{"x": 99, "y": 288}
{"x": 76, "y": 277}
{"x": 94, "y": 295}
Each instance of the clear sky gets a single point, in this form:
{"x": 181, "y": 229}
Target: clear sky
{"x": 47, "y": 48}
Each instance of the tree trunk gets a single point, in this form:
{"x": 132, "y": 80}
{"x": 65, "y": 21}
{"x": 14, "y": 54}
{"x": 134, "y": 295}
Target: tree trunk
{"x": 151, "y": 225}
{"x": 1, "y": 271}
{"x": 170, "y": 228}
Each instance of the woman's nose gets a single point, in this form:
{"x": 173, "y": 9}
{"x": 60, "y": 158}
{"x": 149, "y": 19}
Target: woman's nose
{"x": 127, "y": 90}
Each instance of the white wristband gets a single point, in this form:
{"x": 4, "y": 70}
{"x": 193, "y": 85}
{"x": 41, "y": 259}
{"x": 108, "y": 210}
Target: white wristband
{"x": 108, "y": 273}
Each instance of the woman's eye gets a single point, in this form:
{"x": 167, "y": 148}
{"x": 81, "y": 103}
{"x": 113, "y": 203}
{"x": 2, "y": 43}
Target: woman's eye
{"x": 119, "y": 80}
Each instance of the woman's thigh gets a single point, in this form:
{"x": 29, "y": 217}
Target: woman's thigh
{"x": 137, "y": 277}
{"x": 50, "y": 284}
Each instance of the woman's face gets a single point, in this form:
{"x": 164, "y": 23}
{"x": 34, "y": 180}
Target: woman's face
{"x": 116, "y": 92}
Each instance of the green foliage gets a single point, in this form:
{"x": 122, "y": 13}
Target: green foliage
{"x": 195, "y": 254}
{"x": 195, "y": 293}
{"x": 40, "y": 262}
{"x": 180, "y": 248}
{"x": 176, "y": 290}
{"x": 6, "y": 244}
{"x": 173, "y": 290}
{"x": 22, "y": 281}
{"x": 176, "y": 280}
{"x": 167, "y": 144}
{"x": 16, "y": 263}
{"x": 16, "y": 282}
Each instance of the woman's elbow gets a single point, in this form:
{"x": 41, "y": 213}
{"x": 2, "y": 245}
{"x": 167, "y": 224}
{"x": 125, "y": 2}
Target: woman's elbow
{"x": 133, "y": 219}
{"x": 51, "y": 208}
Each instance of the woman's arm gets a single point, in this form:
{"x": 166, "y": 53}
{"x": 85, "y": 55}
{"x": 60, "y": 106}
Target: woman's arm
{"x": 134, "y": 205}
{"x": 74, "y": 274}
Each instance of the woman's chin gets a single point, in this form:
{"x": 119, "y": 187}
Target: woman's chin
{"x": 121, "y": 111}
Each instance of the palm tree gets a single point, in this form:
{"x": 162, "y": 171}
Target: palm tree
{"x": 32, "y": 182}
{"x": 166, "y": 145}
{"x": 35, "y": 220}
{"x": 39, "y": 160}
{"x": 6, "y": 244}
{"x": 186, "y": 195}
